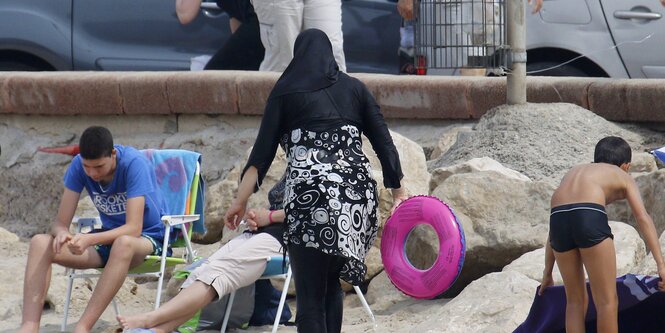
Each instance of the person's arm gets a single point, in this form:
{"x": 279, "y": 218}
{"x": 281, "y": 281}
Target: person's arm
{"x": 377, "y": 132}
{"x": 645, "y": 224}
{"x": 187, "y": 10}
{"x": 263, "y": 152}
{"x": 538, "y": 4}
{"x": 265, "y": 146}
{"x": 549, "y": 267}
{"x": 237, "y": 210}
{"x": 132, "y": 227}
{"x": 60, "y": 227}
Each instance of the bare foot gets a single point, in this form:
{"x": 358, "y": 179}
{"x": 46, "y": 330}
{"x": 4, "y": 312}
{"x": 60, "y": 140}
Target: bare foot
{"x": 139, "y": 321}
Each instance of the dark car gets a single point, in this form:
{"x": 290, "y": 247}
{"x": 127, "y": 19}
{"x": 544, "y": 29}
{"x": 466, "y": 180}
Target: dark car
{"x": 131, "y": 35}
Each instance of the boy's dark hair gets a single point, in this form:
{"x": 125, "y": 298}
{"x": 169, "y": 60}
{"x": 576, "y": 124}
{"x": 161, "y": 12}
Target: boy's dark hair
{"x": 96, "y": 142}
{"x": 612, "y": 150}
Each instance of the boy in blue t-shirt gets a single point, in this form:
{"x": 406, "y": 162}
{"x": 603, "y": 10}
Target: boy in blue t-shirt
{"x": 122, "y": 184}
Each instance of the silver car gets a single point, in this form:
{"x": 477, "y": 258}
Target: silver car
{"x": 113, "y": 35}
{"x": 590, "y": 29}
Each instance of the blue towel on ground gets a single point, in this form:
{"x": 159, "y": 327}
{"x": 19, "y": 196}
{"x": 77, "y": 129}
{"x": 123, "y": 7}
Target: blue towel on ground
{"x": 641, "y": 308}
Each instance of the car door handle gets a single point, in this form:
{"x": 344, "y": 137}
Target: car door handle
{"x": 631, "y": 15}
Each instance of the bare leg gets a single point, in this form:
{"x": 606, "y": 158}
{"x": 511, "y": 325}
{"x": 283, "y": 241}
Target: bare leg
{"x": 38, "y": 275}
{"x": 176, "y": 311}
{"x": 572, "y": 272}
{"x": 600, "y": 263}
{"x": 36, "y": 281}
{"x": 126, "y": 251}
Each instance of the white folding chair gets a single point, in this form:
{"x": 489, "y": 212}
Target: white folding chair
{"x": 275, "y": 270}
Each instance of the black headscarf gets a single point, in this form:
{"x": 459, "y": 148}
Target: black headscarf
{"x": 313, "y": 66}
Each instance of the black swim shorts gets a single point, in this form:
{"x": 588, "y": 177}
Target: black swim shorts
{"x": 578, "y": 225}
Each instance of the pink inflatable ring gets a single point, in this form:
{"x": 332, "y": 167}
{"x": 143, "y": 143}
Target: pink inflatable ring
{"x": 432, "y": 282}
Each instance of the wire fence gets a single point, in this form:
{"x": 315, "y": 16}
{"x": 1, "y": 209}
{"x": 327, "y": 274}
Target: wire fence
{"x": 460, "y": 34}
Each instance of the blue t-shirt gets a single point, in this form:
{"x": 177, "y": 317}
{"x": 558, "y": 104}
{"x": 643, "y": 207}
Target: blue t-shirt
{"x": 134, "y": 177}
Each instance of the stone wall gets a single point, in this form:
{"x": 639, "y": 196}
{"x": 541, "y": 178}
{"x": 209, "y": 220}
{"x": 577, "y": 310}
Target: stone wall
{"x": 245, "y": 93}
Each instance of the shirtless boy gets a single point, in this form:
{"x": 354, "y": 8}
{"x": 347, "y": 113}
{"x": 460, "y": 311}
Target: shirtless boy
{"x": 580, "y": 235}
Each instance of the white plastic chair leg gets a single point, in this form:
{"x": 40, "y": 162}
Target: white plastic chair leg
{"x": 227, "y": 313}
{"x": 282, "y": 300}
{"x": 364, "y": 302}
{"x": 67, "y": 299}
{"x": 115, "y": 307}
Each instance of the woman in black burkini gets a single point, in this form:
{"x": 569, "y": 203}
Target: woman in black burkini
{"x": 319, "y": 114}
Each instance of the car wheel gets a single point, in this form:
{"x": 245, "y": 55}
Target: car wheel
{"x": 551, "y": 68}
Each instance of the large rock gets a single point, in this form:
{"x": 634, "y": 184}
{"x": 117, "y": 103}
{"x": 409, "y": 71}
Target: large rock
{"x": 439, "y": 175}
{"x": 495, "y": 303}
{"x": 502, "y": 218}
{"x": 648, "y": 265}
{"x": 541, "y": 141}
{"x": 12, "y": 266}
{"x": 447, "y": 140}
{"x": 630, "y": 253}
{"x": 642, "y": 163}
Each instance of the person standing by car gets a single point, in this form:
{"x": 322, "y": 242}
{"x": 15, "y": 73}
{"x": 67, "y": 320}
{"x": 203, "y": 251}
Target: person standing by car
{"x": 282, "y": 21}
{"x": 331, "y": 198}
{"x": 243, "y": 49}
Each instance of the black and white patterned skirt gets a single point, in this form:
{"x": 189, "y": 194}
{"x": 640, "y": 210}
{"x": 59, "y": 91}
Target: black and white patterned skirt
{"x": 331, "y": 197}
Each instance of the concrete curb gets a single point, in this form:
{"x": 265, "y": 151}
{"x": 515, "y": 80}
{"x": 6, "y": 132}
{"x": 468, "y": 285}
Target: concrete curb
{"x": 245, "y": 93}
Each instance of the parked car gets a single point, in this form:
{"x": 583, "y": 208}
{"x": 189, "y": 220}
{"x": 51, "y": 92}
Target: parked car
{"x": 607, "y": 38}
{"x": 565, "y": 29}
{"x": 128, "y": 35}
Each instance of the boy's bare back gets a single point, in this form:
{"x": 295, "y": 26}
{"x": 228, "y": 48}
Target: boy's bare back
{"x": 599, "y": 183}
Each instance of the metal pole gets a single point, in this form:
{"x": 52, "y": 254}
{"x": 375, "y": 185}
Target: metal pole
{"x": 516, "y": 33}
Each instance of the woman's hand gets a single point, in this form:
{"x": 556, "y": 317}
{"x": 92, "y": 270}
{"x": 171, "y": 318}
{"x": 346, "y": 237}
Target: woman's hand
{"x": 234, "y": 215}
{"x": 399, "y": 195}
{"x": 256, "y": 218}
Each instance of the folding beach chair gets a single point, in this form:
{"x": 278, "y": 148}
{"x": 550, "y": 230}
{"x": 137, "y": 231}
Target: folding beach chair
{"x": 179, "y": 178}
{"x": 277, "y": 269}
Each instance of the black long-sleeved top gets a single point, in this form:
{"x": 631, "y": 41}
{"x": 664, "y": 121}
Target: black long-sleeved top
{"x": 316, "y": 111}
